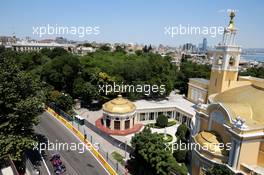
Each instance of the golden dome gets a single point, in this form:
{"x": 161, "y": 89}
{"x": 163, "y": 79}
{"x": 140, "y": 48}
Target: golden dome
{"x": 119, "y": 105}
{"x": 211, "y": 142}
{"x": 244, "y": 101}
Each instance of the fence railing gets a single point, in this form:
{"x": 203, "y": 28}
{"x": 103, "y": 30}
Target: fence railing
{"x": 110, "y": 139}
{"x": 118, "y": 167}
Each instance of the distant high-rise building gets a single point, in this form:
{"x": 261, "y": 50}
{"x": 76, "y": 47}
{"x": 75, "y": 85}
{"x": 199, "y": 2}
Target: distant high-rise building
{"x": 189, "y": 47}
{"x": 204, "y": 44}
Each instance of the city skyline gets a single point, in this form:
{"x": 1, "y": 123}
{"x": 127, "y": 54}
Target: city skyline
{"x": 132, "y": 22}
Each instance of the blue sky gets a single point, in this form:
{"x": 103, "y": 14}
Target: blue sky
{"x": 135, "y": 21}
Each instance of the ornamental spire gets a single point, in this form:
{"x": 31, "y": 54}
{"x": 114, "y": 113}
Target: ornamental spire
{"x": 230, "y": 31}
{"x": 231, "y": 25}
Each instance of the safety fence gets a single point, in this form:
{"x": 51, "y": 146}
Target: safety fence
{"x": 111, "y": 165}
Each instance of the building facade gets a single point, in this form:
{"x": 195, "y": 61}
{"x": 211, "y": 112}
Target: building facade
{"x": 231, "y": 124}
{"x": 123, "y": 117}
{"x": 198, "y": 90}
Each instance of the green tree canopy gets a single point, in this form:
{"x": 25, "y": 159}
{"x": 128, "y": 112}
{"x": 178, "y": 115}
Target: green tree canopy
{"x": 150, "y": 156}
{"x": 63, "y": 100}
{"x": 220, "y": 170}
{"x": 254, "y": 72}
{"x": 21, "y": 100}
{"x": 188, "y": 70}
{"x": 53, "y": 53}
{"x": 61, "y": 72}
{"x": 162, "y": 121}
{"x": 183, "y": 133}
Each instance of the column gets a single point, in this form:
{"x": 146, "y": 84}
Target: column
{"x": 122, "y": 124}
{"x": 236, "y": 153}
{"x": 210, "y": 123}
{"x": 188, "y": 121}
{"x": 147, "y": 116}
{"x": 131, "y": 121}
{"x": 111, "y": 123}
{"x": 180, "y": 117}
{"x": 155, "y": 115}
{"x": 231, "y": 153}
{"x": 198, "y": 123}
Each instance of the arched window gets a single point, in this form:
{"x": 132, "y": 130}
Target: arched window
{"x": 231, "y": 61}
{"x": 220, "y": 60}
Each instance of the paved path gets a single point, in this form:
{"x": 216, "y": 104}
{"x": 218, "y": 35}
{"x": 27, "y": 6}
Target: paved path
{"x": 170, "y": 130}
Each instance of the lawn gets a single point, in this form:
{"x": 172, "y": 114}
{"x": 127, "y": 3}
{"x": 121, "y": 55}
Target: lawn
{"x": 170, "y": 123}
{"x": 118, "y": 157}
{"x": 169, "y": 137}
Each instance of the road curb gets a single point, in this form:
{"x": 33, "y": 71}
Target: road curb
{"x": 96, "y": 154}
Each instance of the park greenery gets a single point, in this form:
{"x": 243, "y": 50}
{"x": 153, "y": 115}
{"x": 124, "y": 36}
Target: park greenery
{"x": 30, "y": 79}
{"x": 154, "y": 125}
{"x": 188, "y": 70}
{"x": 21, "y": 100}
{"x": 162, "y": 121}
{"x": 150, "y": 156}
{"x": 183, "y": 135}
{"x": 254, "y": 72}
{"x": 118, "y": 157}
{"x": 80, "y": 76}
{"x": 166, "y": 138}
{"x": 220, "y": 170}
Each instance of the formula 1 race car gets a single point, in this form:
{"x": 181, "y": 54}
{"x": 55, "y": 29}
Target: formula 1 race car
{"x": 59, "y": 168}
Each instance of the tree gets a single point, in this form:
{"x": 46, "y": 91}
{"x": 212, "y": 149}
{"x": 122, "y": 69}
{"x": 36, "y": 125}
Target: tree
{"x": 105, "y": 47}
{"x": 21, "y": 101}
{"x": 2, "y": 49}
{"x": 145, "y": 49}
{"x": 120, "y": 49}
{"x": 183, "y": 133}
{"x": 149, "y": 48}
{"x": 52, "y": 53}
{"x": 127, "y": 69}
{"x": 180, "y": 155}
{"x": 138, "y": 52}
{"x": 220, "y": 170}
{"x": 62, "y": 100}
{"x": 254, "y": 72}
{"x": 150, "y": 156}
{"x": 162, "y": 121}
{"x": 61, "y": 72}
{"x": 188, "y": 70}
{"x": 85, "y": 90}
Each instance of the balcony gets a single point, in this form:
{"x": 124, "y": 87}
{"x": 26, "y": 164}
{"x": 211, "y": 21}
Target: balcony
{"x": 209, "y": 145}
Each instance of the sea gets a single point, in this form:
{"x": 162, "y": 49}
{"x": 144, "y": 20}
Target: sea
{"x": 253, "y": 57}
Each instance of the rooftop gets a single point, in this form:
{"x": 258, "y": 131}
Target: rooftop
{"x": 119, "y": 105}
{"x": 200, "y": 80}
{"x": 173, "y": 101}
{"x": 245, "y": 102}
